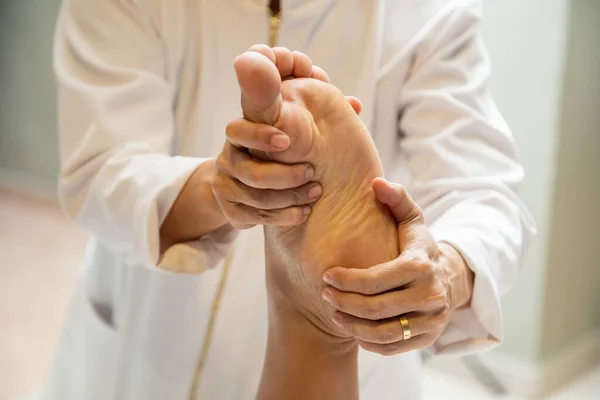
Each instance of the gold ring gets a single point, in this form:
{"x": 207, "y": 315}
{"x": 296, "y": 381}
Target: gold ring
{"x": 405, "y": 327}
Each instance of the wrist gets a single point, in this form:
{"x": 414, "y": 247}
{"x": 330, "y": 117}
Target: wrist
{"x": 195, "y": 212}
{"x": 461, "y": 277}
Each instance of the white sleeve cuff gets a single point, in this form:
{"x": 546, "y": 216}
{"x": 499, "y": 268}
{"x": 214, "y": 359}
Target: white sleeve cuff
{"x": 200, "y": 255}
{"x": 169, "y": 175}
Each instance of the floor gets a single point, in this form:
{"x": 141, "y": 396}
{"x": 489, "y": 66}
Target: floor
{"x": 39, "y": 256}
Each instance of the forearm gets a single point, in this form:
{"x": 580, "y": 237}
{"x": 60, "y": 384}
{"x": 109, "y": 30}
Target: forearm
{"x": 195, "y": 212}
{"x": 303, "y": 362}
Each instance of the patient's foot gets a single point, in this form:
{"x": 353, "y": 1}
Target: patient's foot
{"x": 347, "y": 227}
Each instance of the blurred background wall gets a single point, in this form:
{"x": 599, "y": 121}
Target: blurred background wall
{"x": 546, "y": 56}
{"x": 527, "y": 43}
{"x": 28, "y": 143}
{"x": 573, "y": 275}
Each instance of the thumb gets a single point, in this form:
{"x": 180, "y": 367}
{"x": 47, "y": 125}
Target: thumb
{"x": 395, "y": 196}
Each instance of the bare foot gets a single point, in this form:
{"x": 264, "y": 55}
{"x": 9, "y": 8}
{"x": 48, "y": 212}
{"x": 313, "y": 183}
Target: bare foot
{"x": 347, "y": 226}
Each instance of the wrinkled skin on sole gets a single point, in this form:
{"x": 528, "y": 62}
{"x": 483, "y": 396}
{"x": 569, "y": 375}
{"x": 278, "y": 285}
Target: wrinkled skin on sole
{"x": 348, "y": 227}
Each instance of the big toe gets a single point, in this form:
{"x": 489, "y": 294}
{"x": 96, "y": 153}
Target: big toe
{"x": 260, "y": 83}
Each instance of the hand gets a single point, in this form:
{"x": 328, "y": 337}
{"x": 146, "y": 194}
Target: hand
{"x": 425, "y": 284}
{"x": 251, "y": 191}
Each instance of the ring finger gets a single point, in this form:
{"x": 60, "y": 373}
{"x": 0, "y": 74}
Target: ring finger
{"x": 269, "y": 199}
{"x": 248, "y": 216}
{"x": 400, "y": 347}
{"x": 389, "y": 330}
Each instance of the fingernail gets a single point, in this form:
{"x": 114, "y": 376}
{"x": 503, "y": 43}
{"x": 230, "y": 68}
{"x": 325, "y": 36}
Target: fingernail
{"x": 310, "y": 173}
{"x": 315, "y": 192}
{"x": 338, "y": 320}
{"x": 306, "y": 211}
{"x": 327, "y": 295}
{"x": 280, "y": 141}
{"x": 328, "y": 278}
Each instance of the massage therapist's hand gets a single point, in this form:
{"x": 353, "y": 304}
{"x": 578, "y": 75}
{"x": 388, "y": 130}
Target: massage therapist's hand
{"x": 425, "y": 284}
{"x": 251, "y": 191}
{"x": 240, "y": 190}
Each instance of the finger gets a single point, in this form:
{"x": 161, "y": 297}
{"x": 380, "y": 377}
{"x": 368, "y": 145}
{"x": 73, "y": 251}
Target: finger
{"x": 265, "y": 51}
{"x": 285, "y": 61}
{"x": 302, "y": 65}
{"x": 400, "y": 347}
{"x": 246, "y": 215}
{"x": 262, "y": 174}
{"x": 355, "y": 103}
{"x": 398, "y": 200}
{"x": 387, "y": 305}
{"x": 390, "y": 330}
{"x": 319, "y": 74}
{"x": 268, "y": 199}
{"x": 394, "y": 274}
{"x": 251, "y": 135}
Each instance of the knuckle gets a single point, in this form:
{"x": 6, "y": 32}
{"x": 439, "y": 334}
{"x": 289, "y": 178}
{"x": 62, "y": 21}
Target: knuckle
{"x": 437, "y": 296}
{"x": 252, "y": 199}
{"x": 387, "y": 336}
{"x": 217, "y": 183}
{"x": 297, "y": 196}
{"x": 223, "y": 192}
{"x": 441, "y": 320}
{"x": 354, "y": 331}
{"x": 418, "y": 217}
{"x": 222, "y": 163}
{"x": 265, "y": 216}
{"x": 424, "y": 266}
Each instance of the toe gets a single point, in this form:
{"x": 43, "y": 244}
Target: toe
{"x": 320, "y": 74}
{"x": 260, "y": 85}
{"x": 264, "y": 50}
{"x": 302, "y": 65}
{"x": 355, "y": 103}
{"x": 284, "y": 61}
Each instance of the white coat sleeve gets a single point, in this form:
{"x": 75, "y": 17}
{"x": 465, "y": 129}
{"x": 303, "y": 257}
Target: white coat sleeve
{"x": 118, "y": 177}
{"x": 465, "y": 172}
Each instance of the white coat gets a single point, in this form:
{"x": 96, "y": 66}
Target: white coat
{"x": 146, "y": 88}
